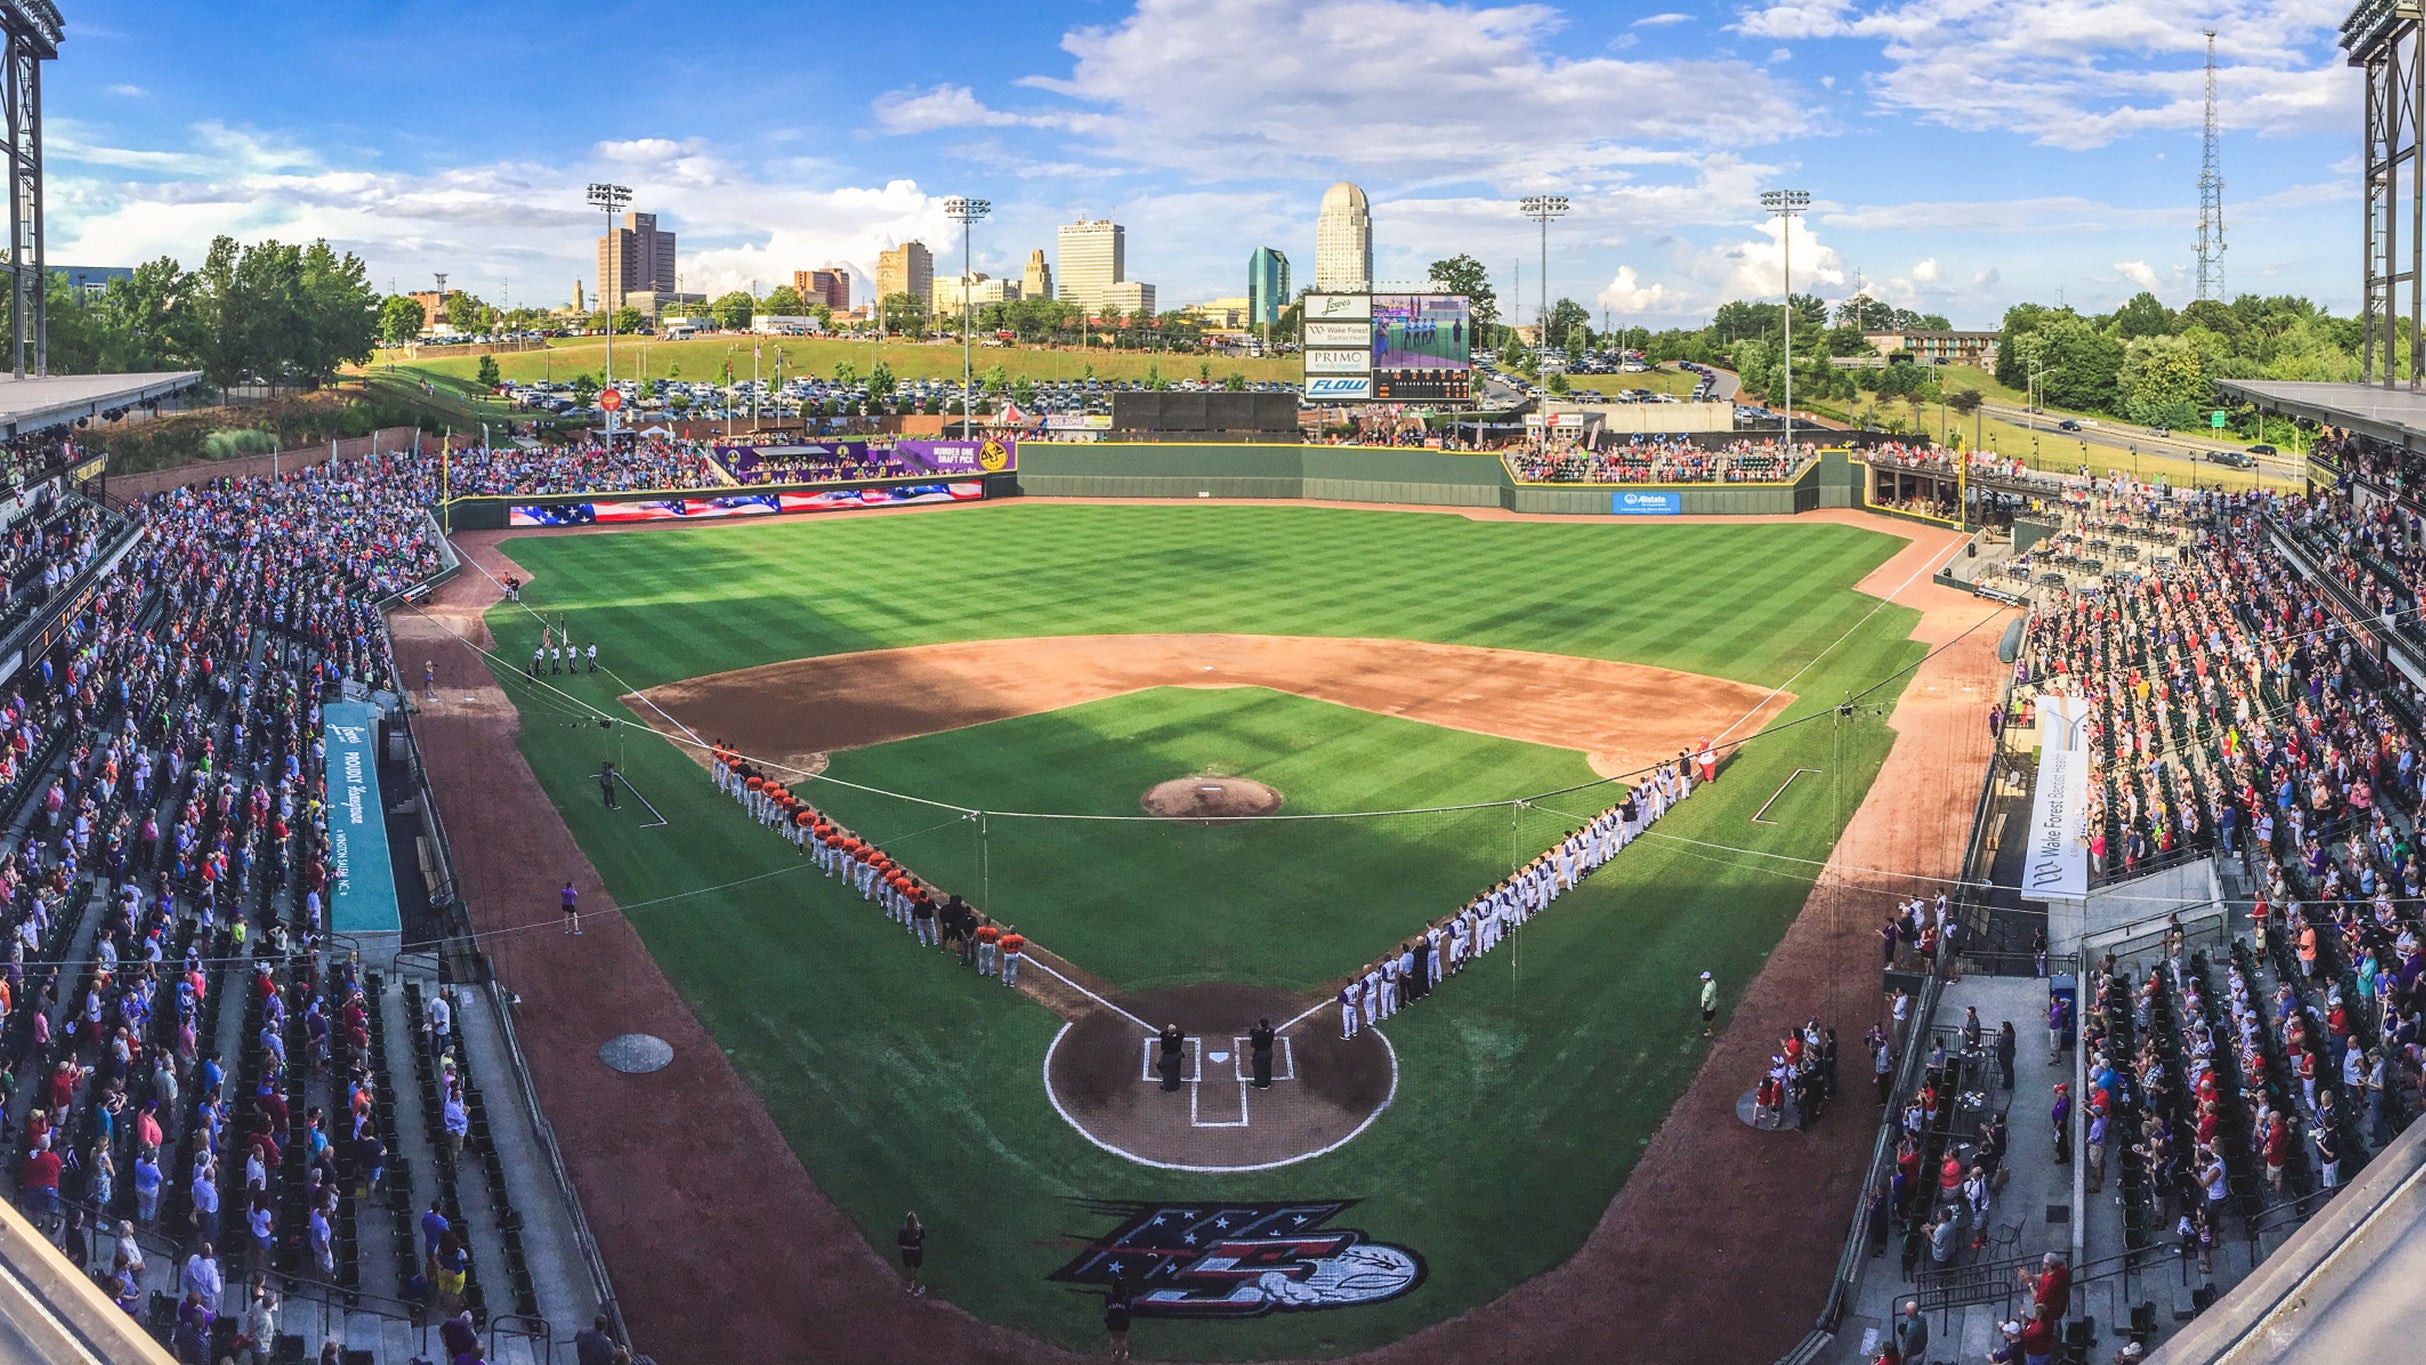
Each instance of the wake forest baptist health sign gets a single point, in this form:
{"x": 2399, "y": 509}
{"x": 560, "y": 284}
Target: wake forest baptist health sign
{"x": 2056, "y": 860}
{"x": 362, "y": 899}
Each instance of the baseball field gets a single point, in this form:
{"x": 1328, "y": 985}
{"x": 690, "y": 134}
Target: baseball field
{"x": 992, "y": 694}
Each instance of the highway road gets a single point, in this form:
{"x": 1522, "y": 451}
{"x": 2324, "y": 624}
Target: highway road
{"x": 2123, "y": 438}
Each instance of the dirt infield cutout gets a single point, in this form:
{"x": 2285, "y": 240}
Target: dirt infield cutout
{"x": 1621, "y": 716}
{"x": 1101, "y": 1073}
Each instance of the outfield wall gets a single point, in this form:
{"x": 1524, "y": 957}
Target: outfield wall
{"x": 1369, "y": 474}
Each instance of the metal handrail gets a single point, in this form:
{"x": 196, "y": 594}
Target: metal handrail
{"x": 539, "y": 1331}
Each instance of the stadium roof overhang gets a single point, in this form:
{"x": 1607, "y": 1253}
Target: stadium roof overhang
{"x": 56, "y": 400}
{"x": 2395, "y": 416}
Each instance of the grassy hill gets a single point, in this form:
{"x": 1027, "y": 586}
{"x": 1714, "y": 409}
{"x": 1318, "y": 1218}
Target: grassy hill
{"x": 704, "y": 358}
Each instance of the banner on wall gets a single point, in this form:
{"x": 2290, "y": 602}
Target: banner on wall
{"x": 738, "y": 505}
{"x": 1646, "y": 504}
{"x": 2056, "y": 863}
{"x": 362, "y": 899}
{"x": 867, "y": 458}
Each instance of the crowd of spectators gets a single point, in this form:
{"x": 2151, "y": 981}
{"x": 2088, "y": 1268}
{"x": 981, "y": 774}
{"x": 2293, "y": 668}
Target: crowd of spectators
{"x": 581, "y": 467}
{"x": 823, "y": 462}
{"x": 1659, "y": 460}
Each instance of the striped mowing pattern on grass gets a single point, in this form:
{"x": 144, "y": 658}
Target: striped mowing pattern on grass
{"x": 1530, "y": 1083}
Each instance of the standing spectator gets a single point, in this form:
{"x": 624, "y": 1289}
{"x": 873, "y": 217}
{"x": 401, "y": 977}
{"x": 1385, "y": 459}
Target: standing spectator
{"x": 912, "y": 1241}
{"x": 2005, "y": 1044}
{"x": 202, "y": 1276}
{"x": 592, "y": 1345}
{"x": 1911, "y": 1336}
{"x": 2060, "y": 1116}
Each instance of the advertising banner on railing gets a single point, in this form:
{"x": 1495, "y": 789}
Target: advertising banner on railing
{"x": 2055, "y": 863}
{"x": 867, "y": 457}
{"x": 738, "y": 505}
{"x": 2063, "y": 722}
{"x": 362, "y": 895}
{"x": 1646, "y": 504}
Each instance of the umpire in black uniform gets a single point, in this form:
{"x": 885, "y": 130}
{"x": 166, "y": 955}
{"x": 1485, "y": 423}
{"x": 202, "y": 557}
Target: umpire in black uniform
{"x": 1259, "y": 1048}
{"x": 1174, "y": 1046}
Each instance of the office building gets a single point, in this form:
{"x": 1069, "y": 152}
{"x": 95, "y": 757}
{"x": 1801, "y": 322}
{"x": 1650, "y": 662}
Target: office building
{"x": 1343, "y": 240}
{"x": 1094, "y": 257}
{"x": 831, "y": 287}
{"x": 980, "y": 288}
{"x": 1937, "y": 348}
{"x": 905, "y": 269}
{"x": 1037, "y": 283}
{"x": 433, "y": 305}
{"x": 1131, "y": 297}
{"x": 633, "y": 258}
{"x": 652, "y": 303}
{"x": 1220, "y": 314}
{"x": 1267, "y": 286}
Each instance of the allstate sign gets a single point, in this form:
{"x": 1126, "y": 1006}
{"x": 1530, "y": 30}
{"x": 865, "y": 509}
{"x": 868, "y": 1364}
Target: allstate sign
{"x": 1339, "y": 386}
{"x": 1646, "y": 504}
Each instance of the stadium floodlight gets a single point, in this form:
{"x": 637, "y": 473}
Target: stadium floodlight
{"x": 610, "y": 198}
{"x": 965, "y": 212}
{"x": 1786, "y": 206}
{"x": 1541, "y": 208}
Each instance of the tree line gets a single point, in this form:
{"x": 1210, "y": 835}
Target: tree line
{"x": 261, "y": 313}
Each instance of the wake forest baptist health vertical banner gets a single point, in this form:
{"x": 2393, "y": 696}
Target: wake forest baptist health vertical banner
{"x": 363, "y": 896}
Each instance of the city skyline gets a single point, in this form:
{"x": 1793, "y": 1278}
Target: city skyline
{"x": 2083, "y": 141}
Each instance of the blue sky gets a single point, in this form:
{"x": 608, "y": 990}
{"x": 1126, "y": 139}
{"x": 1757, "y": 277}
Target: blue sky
{"x": 1963, "y": 154}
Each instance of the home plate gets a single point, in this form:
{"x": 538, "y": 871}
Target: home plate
{"x": 1218, "y": 1057}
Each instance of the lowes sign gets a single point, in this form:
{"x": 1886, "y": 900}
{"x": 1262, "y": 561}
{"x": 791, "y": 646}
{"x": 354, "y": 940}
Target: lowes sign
{"x": 1646, "y": 504}
{"x": 1339, "y": 386}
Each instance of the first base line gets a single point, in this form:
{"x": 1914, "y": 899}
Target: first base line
{"x": 1781, "y": 791}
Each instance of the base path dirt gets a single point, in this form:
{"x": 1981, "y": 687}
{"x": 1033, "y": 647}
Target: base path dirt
{"x": 1622, "y": 716}
{"x": 657, "y": 1158}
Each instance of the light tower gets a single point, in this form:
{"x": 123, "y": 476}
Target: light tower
{"x": 1787, "y": 205}
{"x": 609, "y": 198}
{"x": 2211, "y": 196}
{"x": 965, "y": 212}
{"x": 1541, "y": 208}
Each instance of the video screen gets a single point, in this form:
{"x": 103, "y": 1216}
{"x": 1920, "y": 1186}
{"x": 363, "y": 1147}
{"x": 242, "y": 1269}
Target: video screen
{"x": 1421, "y": 332}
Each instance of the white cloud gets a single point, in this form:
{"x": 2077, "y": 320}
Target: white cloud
{"x": 2083, "y": 73}
{"x": 1661, "y": 20}
{"x": 1926, "y": 270}
{"x": 2138, "y": 272}
{"x": 132, "y": 92}
{"x": 1406, "y": 88}
{"x": 1755, "y": 268}
{"x": 1626, "y": 293}
{"x": 944, "y": 106}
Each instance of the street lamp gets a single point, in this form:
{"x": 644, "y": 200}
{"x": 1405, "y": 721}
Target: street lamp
{"x": 1786, "y": 206}
{"x": 609, "y": 198}
{"x": 965, "y": 212}
{"x": 1541, "y": 208}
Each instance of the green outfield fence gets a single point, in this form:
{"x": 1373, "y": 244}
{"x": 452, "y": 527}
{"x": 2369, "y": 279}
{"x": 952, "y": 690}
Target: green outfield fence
{"x": 1409, "y": 477}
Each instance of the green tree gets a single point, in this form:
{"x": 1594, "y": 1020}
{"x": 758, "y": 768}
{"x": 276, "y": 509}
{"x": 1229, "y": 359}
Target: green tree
{"x": 2163, "y": 381}
{"x": 2142, "y": 315}
{"x": 845, "y": 373}
{"x": 783, "y": 301}
{"x": 486, "y": 373}
{"x": 1863, "y": 313}
{"x": 903, "y": 313}
{"x": 647, "y": 394}
{"x": 880, "y": 379}
{"x": 585, "y": 388}
{"x": 995, "y": 379}
{"x": 1234, "y": 382}
{"x": 400, "y": 319}
{"x": 1568, "y": 321}
{"x": 628, "y": 320}
{"x": 1558, "y": 382}
{"x": 731, "y": 311}
{"x": 462, "y": 311}
{"x": 1023, "y": 391}
{"x": 1154, "y": 379}
{"x": 1462, "y": 274}
{"x": 1845, "y": 339}
{"x": 2080, "y": 367}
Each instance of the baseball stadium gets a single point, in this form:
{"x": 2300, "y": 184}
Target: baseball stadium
{"x": 1392, "y": 856}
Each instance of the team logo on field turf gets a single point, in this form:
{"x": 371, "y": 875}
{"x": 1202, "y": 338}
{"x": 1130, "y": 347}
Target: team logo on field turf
{"x": 1238, "y": 1260}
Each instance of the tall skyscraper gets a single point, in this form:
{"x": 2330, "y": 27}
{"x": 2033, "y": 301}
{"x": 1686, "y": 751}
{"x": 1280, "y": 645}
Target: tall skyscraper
{"x": 634, "y": 258}
{"x": 1267, "y": 286}
{"x": 1094, "y": 257}
{"x": 905, "y": 269}
{"x": 831, "y": 287}
{"x": 1343, "y": 240}
{"x": 1037, "y": 283}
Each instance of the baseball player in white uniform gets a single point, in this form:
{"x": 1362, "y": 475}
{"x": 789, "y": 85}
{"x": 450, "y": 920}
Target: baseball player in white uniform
{"x": 1347, "y": 1007}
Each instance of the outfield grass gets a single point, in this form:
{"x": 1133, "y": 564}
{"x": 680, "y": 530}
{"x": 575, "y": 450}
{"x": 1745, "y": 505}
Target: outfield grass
{"x": 703, "y": 358}
{"x": 1529, "y": 1084}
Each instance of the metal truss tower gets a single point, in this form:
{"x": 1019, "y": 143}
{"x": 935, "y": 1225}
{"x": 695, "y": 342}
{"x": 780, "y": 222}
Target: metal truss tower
{"x": 2211, "y": 196}
{"x": 31, "y": 30}
{"x": 2386, "y": 40}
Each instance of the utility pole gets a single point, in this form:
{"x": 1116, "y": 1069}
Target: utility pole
{"x": 1787, "y": 205}
{"x": 610, "y": 198}
{"x": 1541, "y": 208}
{"x": 965, "y": 212}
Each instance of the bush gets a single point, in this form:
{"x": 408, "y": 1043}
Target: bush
{"x": 229, "y": 443}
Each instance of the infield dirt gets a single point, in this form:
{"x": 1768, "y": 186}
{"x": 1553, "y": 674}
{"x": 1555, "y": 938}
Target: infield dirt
{"x": 1719, "y": 1246}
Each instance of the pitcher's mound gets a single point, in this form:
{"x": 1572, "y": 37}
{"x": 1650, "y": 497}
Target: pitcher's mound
{"x": 1210, "y": 799}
